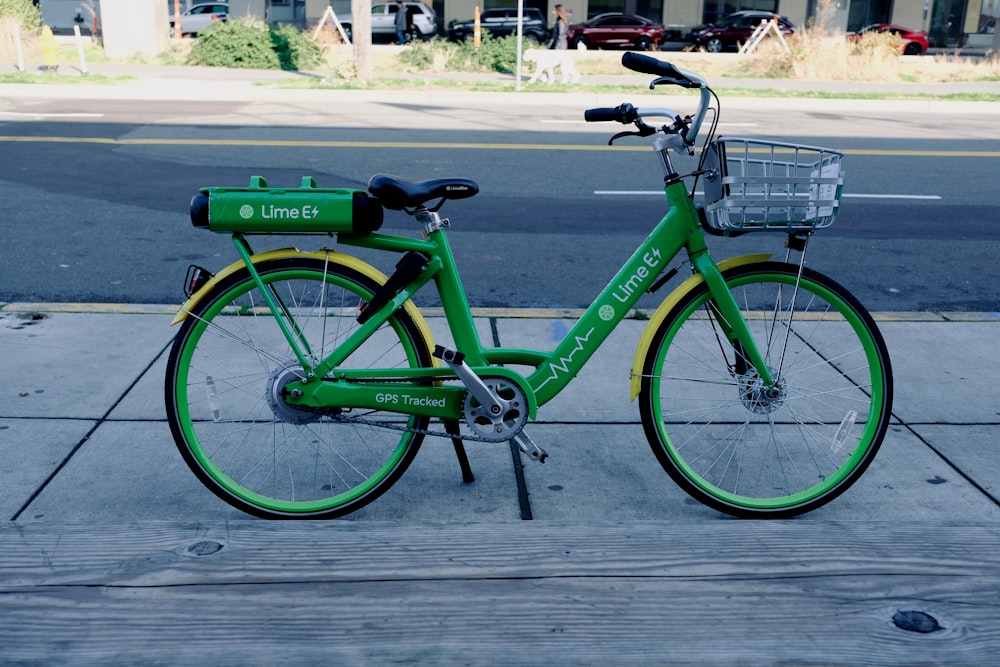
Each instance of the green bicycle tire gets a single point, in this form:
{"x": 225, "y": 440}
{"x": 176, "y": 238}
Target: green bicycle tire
{"x": 732, "y": 446}
{"x": 242, "y": 442}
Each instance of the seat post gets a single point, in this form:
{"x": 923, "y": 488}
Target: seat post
{"x": 431, "y": 220}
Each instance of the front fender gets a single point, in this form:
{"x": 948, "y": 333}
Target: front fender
{"x": 668, "y": 304}
{"x": 331, "y": 256}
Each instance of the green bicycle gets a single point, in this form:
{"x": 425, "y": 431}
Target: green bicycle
{"x": 301, "y": 384}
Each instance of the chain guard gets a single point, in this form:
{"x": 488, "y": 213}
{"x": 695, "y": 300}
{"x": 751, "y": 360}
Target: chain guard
{"x": 483, "y": 427}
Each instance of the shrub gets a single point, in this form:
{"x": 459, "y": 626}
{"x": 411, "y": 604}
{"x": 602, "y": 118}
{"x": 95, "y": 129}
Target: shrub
{"x": 295, "y": 50}
{"x": 28, "y": 19}
{"x": 24, "y": 12}
{"x": 243, "y": 43}
{"x": 496, "y": 54}
{"x": 249, "y": 43}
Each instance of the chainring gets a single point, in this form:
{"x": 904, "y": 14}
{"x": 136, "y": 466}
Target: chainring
{"x": 507, "y": 421}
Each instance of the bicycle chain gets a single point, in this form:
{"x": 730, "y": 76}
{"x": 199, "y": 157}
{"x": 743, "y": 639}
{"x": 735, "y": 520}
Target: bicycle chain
{"x": 406, "y": 429}
{"x": 392, "y": 427}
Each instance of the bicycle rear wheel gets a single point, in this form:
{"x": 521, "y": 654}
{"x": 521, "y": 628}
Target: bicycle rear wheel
{"x": 750, "y": 452}
{"x": 224, "y": 399}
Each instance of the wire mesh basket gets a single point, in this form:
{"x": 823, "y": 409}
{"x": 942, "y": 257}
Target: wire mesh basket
{"x": 766, "y": 185}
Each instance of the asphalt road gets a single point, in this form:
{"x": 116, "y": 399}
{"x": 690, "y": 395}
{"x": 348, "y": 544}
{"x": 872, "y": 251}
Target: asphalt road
{"x": 96, "y": 195}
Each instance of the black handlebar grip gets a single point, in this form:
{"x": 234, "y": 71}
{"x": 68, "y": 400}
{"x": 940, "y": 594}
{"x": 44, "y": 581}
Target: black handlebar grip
{"x": 638, "y": 62}
{"x": 623, "y": 113}
{"x": 602, "y": 115}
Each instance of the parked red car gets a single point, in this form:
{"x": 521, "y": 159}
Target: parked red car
{"x": 620, "y": 31}
{"x": 734, "y": 30}
{"x": 913, "y": 42}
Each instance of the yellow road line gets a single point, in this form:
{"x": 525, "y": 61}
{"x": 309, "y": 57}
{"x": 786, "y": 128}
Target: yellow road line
{"x": 434, "y": 145}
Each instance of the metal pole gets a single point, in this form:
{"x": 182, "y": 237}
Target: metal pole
{"x": 17, "y": 40}
{"x": 79, "y": 48}
{"x": 520, "y": 42}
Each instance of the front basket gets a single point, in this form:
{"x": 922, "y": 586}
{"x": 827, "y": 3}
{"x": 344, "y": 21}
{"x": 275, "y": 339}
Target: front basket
{"x": 765, "y": 185}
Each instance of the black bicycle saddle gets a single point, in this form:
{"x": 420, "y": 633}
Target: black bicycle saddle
{"x": 396, "y": 193}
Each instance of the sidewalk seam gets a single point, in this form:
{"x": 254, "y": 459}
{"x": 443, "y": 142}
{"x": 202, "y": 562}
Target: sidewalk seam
{"x": 86, "y": 436}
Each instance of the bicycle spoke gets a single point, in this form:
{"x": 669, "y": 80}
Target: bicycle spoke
{"x": 237, "y": 431}
{"x": 746, "y": 448}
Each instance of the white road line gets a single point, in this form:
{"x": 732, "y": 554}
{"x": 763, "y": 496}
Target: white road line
{"x": 569, "y": 121}
{"x": 924, "y": 197}
{"x": 643, "y": 193}
{"x": 26, "y": 114}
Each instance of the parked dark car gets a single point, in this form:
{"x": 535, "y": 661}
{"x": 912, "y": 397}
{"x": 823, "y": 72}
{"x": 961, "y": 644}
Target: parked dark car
{"x": 734, "y": 30}
{"x": 912, "y": 42}
{"x": 501, "y": 23}
{"x": 621, "y": 31}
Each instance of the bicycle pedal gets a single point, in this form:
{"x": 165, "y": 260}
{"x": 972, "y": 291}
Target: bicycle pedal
{"x": 528, "y": 446}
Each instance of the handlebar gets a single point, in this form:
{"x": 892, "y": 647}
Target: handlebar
{"x": 666, "y": 73}
{"x": 643, "y": 64}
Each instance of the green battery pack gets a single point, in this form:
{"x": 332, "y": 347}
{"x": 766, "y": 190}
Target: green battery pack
{"x": 259, "y": 209}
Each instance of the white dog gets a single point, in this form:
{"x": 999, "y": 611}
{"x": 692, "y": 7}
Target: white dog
{"x": 547, "y": 60}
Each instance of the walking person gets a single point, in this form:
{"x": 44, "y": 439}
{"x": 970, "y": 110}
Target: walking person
{"x": 401, "y": 23}
{"x": 560, "y": 30}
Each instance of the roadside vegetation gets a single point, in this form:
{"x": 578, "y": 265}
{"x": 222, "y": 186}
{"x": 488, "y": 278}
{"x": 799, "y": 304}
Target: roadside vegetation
{"x": 18, "y": 16}
{"x": 816, "y": 52}
{"x": 250, "y": 43}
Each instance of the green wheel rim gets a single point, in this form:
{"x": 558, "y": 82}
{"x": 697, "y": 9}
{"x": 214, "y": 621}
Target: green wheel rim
{"x": 850, "y": 464}
{"x": 209, "y": 465}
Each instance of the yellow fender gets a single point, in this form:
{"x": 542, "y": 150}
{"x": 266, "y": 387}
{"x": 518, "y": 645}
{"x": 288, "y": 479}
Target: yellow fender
{"x": 330, "y": 256}
{"x": 668, "y": 304}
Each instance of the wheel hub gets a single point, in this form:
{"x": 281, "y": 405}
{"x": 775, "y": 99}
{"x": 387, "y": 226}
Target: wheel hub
{"x": 756, "y": 396}
{"x": 276, "y": 393}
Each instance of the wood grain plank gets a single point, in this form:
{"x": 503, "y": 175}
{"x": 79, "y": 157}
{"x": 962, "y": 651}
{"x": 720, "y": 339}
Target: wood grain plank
{"x": 648, "y": 593}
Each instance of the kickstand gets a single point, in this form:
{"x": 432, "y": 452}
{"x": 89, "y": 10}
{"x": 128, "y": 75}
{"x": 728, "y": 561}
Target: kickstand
{"x": 463, "y": 460}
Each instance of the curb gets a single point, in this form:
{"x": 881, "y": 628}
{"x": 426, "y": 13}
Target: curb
{"x": 500, "y": 313}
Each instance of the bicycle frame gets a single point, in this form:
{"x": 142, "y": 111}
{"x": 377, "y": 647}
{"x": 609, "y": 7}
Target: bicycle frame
{"x": 421, "y": 391}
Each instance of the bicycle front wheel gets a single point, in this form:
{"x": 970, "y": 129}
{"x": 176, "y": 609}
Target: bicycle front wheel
{"x": 225, "y": 401}
{"x": 755, "y": 452}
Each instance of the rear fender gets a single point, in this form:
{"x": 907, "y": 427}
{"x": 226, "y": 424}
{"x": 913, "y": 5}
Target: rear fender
{"x": 668, "y": 304}
{"x": 330, "y": 256}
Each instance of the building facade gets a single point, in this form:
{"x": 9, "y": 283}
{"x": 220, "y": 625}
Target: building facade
{"x": 949, "y": 22}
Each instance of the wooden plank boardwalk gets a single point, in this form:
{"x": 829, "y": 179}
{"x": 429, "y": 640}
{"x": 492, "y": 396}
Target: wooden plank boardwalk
{"x": 529, "y": 593}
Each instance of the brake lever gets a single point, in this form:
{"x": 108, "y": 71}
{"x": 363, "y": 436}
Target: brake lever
{"x": 643, "y": 131}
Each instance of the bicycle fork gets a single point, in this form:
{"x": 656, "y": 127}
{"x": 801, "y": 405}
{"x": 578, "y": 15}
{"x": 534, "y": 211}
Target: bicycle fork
{"x": 731, "y": 318}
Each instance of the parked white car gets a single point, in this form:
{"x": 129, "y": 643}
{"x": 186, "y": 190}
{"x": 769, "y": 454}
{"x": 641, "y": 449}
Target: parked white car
{"x": 423, "y": 21}
{"x": 200, "y": 17}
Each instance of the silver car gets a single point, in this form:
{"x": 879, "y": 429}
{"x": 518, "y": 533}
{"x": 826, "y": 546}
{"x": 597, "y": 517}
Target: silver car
{"x": 200, "y": 17}
{"x": 422, "y": 21}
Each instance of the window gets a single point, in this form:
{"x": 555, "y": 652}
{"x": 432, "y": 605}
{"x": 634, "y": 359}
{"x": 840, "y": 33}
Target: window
{"x": 716, "y": 10}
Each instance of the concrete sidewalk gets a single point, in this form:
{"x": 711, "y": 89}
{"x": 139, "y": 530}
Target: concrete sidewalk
{"x": 84, "y": 435}
{"x": 82, "y": 421}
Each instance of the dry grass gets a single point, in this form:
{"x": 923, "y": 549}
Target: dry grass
{"x": 818, "y": 56}
{"x": 8, "y": 43}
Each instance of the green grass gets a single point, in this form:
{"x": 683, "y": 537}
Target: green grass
{"x": 71, "y": 76}
{"x": 828, "y": 95}
{"x": 51, "y": 78}
{"x": 433, "y": 82}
